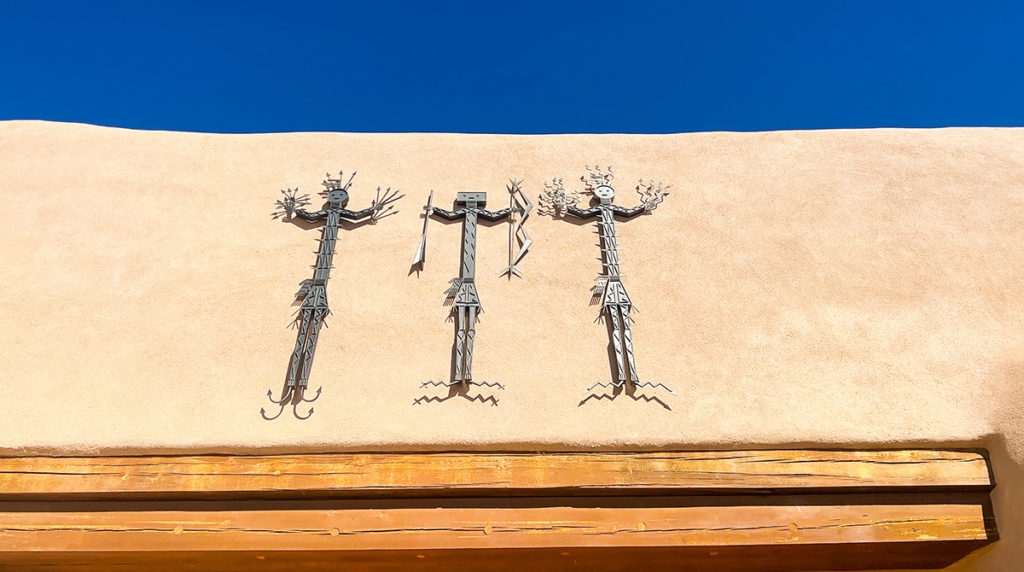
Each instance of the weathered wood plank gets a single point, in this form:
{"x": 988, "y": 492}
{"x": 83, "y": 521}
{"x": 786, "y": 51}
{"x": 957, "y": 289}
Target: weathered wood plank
{"x": 914, "y": 531}
{"x": 489, "y": 528}
{"x": 778, "y": 558}
{"x": 446, "y": 474}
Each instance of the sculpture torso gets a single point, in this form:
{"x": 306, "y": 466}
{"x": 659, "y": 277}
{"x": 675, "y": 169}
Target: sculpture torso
{"x": 316, "y": 297}
{"x": 467, "y": 294}
{"x": 609, "y": 242}
{"x": 468, "y": 269}
{"x": 614, "y": 291}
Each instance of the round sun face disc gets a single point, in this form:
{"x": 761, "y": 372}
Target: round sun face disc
{"x": 604, "y": 192}
{"x": 337, "y": 196}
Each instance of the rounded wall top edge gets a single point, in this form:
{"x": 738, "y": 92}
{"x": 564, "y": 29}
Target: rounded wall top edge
{"x": 823, "y": 130}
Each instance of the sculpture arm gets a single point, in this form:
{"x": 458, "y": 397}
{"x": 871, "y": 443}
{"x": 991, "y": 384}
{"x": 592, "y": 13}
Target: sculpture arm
{"x": 582, "y": 213}
{"x": 311, "y": 217}
{"x": 496, "y": 215}
{"x": 356, "y": 215}
{"x": 446, "y": 214}
{"x": 629, "y": 212}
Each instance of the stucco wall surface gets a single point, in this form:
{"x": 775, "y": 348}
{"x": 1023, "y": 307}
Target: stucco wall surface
{"x": 825, "y": 288}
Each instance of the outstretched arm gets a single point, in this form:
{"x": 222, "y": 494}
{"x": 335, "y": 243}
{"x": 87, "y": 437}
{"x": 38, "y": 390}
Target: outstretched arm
{"x": 356, "y": 215}
{"x": 446, "y": 214}
{"x": 582, "y": 213}
{"x": 496, "y": 215}
{"x": 630, "y": 212}
{"x": 311, "y": 217}
{"x": 381, "y": 207}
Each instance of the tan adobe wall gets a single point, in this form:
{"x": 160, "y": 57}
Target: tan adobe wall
{"x": 827, "y": 288}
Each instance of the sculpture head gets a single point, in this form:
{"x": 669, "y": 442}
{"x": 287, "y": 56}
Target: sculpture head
{"x": 598, "y": 182}
{"x": 335, "y": 191}
{"x": 475, "y": 199}
{"x": 337, "y": 197}
{"x": 604, "y": 193}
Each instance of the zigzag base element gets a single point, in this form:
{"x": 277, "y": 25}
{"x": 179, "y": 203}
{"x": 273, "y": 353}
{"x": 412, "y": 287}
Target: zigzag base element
{"x": 622, "y": 388}
{"x": 458, "y": 391}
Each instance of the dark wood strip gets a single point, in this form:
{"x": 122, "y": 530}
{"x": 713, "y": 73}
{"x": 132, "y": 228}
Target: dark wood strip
{"x": 777, "y": 558}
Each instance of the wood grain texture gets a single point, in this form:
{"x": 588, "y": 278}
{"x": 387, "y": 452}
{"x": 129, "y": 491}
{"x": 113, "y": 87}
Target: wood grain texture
{"x": 489, "y": 528}
{"x": 777, "y": 558}
{"x": 268, "y": 523}
{"x": 488, "y": 474}
{"x": 740, "y": 539}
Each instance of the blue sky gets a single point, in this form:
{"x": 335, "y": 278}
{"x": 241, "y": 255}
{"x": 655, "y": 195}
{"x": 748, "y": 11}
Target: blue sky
{"x": 513, "y": 67}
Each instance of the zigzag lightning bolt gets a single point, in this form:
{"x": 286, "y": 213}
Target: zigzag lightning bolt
{"x": 598, "y": 397}
{"x": 622, "y": 383}
{"x": 635, "y": 397}
{"x": 433, "y": 383}
{"x": 606, "y": 384}
{"x": 429, "y": 399}
{"x": 517, "y": 199}
{"x": 435, "y": 399}
{"x": 489, "y": 399}
{"x": 655, "y": 386}
{"x": 639, "y": 396}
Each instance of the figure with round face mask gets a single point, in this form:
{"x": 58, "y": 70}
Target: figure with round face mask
{"x": 313, "y": 292}
{"x": 615, "y": 302}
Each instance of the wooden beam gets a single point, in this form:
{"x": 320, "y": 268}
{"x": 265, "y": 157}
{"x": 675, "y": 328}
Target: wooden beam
{"x": 735, "y": 510}
{"x": 490, "y": 474}
{"x": 781, "y": 558}
{"x": 733, "y": 538}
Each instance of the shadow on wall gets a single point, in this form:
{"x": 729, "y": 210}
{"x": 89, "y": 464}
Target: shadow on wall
{"x": 1006, "y": 456}
{"x": 1007, "y": 553}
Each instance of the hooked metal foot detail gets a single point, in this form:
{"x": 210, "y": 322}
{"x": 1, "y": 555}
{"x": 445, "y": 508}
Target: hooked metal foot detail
{"x": 292, "y": 395}
{"x": 284, "y": 397}
{"x": 295, "y": 412}
{"x": 302, "y": 397}
{"x": 263, "y": 413}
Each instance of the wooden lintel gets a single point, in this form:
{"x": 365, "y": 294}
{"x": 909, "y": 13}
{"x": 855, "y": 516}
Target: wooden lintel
{"x": 490, "y": 474}
{"x": 778, "y": 558}
{"x": 779, "y": 510}
{"x": 936, "y": 534}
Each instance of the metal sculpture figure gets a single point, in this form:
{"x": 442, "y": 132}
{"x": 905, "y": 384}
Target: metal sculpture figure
{"x": 616, "y": 304}
{"x": 313, "y": 292}
{"x": 462, "y": 295}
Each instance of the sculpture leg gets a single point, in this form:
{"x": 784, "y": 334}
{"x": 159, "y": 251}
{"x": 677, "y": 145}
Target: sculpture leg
{"x": 470, "y": 336}
{"x": 627, "y": 340}
{"x": 293, "y": 368}
{"x": 627, "y": 335}
{"x": 613, "y": 314}
{"x": 314, "y": 332}
{"x": 460, "y": 344}
{"x": 300, "y": 343}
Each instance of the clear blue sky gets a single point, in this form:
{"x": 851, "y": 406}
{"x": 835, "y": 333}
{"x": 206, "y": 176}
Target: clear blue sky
{"x": 513, "y": 67}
